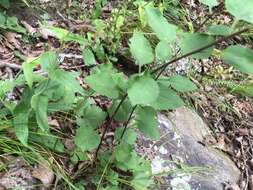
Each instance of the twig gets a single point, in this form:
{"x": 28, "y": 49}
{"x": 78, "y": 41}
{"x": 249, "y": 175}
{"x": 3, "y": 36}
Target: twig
{"x": 10, "y": 65}
{"x": 161, "y": 68}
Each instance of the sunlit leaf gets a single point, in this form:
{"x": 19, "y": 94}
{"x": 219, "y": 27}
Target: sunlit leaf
{"x": 239, "y": 57}
{"x": 141, "y": 49}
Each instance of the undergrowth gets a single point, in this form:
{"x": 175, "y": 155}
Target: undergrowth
{"x": 87, "y": 106}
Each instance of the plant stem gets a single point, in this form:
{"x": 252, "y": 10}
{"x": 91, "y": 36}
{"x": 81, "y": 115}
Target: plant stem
{"x": 108, "y": 125}
{"x": 161, "y": 68}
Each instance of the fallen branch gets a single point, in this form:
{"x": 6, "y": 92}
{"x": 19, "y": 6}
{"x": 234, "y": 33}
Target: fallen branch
{"x": 10, "y": 65}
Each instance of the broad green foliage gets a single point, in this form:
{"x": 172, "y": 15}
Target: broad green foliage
{"x": 179, "y": 83}
{"x": 191, "y": 42}
{"x": 159, "y": 24}
{"x": 241, "y": 9}
{"x": 142, "y": 90}
{"x": 49, "y": 92}
{"x": 103, "y": 83}
{"x": 10, "y": 23}
{"x": 123, "y": 112}
{"x": 5, "y": 3}
{"x": 86, "y": 138}
{"x": 92, "y": 115}
{"x": 141, "y": 49}
{"x": 129, "y": 137}
{"x": 123, "y": 152}
{"x": 219, "y": 30}
{"x": 167, "y": 99}
{"x": 147, "y": 123}
{"x": 27, "y": 67}
{"x": 39, "y": 103}
{"x": 88, "y": 57}
{"x": 163, "y": 51}
{"x": 210, "y": 3}
{"x": 64, "y": 35}
{"x": 240, "y": 58}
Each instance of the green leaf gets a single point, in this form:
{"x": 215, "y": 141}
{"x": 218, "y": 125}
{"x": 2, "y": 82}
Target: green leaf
{"x": 167, "y": 99}
{"x": 21, "y": 116}
{"x": 123, "y": 112}
{"x": 239, "y": 57}
{"x": 123, "y": 152}
{"x": 143, "y": 90}
{"x": 86, "y": 138}
{"x": 192, "y": 42}
{"x": 219, "y": 30}
{"x": 68, "y": 79}
{"x": 210, "y": 3}
{"x": 159, "y": 24}
{"x": 93, "y": 115}
{"x": 129, "y": 136}
{"x": 48, "y": 140}
{"x": 39, "y": 103}
{"x": 65, "y": 35}
{"x": 27, "y": 67}
{"x": 241, "y": 9}
{"x": 141, "y": 49}
{"x": 147, "y": 123}
{"x": 20, "y": 123}
{"x": 5, "y": 4}
{"x": 88, "y": 57}
{"x": 163, "y": 51}
{"x": 103, "y": 84}
{"x": 180, "y": 83}
{"x": 141, "y": 181}
{"x": 49, "y": 61}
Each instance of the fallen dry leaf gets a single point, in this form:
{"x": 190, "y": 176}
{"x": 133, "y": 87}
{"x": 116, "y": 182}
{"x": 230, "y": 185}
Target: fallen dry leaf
{"x": 11, "y": 37}
{"x": 44, "y": 173}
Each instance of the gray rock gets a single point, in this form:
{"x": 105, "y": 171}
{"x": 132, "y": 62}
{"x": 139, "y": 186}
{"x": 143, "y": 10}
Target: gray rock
{"x": 186, "y": 163}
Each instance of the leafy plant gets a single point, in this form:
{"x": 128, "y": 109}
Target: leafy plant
{"x": 133, "y": 100}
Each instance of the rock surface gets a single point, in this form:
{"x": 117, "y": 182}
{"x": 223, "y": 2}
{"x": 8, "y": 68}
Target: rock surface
{"x": 183, "y": 160}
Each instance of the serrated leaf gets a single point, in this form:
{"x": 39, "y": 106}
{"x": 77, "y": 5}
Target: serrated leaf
{"x": 129, "y": 136}
{"x": 147, "y": 123}
{"x": 123, "y": 152}
{"x": 88, "y": 57}
{"x": 143, "y": 90}
{"x": 39, "y": 103}
{"x": 164, "y": 30}
{"x": 167, "y": 99}
{"x": 93, "y": 116}
{"x": 163, "y": 51}
{"x": 49, "y": 61}
{"x": 86, "y": 138}
{"x": 141, "y": 49}
{"x": 181, "y": 84}
{"x": 239, "y": 57}
{"x": 195, "y": 41}
{"x": 141, "y": 181}
{"x": 219, "y": 30}
{"x": 68, "y": 79}
{"x": 123, "y": 112}
{"x": 103, "y": 84}
{"x": 210, "y": 3}
{"x": 241, "y": 9}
